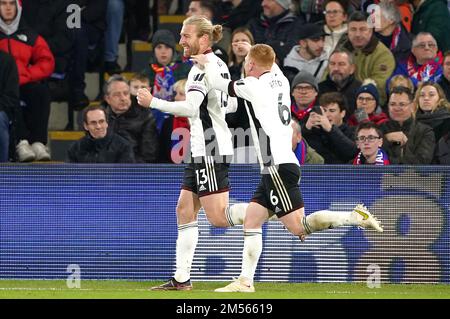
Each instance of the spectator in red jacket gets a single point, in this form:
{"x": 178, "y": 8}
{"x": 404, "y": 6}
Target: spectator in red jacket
{"x": 35, "y": 63}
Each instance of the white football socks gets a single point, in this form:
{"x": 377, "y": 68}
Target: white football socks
{"x": 251, "y": 253}
{"x": 235, "y": 214}
{"x": 186, "y": 243}
{"x": 327, "y": 219}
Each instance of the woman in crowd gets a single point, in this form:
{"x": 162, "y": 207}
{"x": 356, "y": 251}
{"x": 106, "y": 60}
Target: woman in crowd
{"x": 367, "y": 106}
{"x": 335, "y": 23}
{"x": 432, "y": 108}
{"x": 237, "y": 51}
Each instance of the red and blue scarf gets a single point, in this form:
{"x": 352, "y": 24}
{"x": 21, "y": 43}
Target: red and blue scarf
{"x": 300, "y": 152}
{"x": 381, "y": 159}
{"x": 430, "y": 71}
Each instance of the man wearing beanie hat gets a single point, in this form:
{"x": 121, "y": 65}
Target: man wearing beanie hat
{"x": 367, "y": 106}
{"x": 275, "y": 26}
{"x": 304, "y": 90}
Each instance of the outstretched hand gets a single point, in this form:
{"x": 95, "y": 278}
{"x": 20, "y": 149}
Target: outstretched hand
{"x": 144, "y": 97}
{"x": 242, "y": 47}
{"x": 199, "y": 60}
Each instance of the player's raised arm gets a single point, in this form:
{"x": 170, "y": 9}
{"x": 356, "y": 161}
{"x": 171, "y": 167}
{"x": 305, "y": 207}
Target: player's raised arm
{"x": 195, "y": 94}
{"x": 259, "y": 60}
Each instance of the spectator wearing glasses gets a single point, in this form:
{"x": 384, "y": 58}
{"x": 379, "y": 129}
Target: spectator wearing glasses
{"x": 304, "y": 90}
{"x": 425, "y": 61}
{"x": 367, "y": 106}
{"x": 98, "y": 146}
{"x": 406, "y": 140}
{"x": 335, "y": 23}
{"x": 369, "y": 140}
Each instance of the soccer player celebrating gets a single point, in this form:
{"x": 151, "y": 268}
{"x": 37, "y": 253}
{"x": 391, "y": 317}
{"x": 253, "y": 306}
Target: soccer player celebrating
{"x": 266, "y": 93}
{"x": 205, "y": 181}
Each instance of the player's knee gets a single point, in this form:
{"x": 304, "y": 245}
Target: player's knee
{"x": 185, "y": 214}
{"x": 217, "y": 219}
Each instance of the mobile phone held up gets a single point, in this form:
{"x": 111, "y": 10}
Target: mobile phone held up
{"x": 316, "y": 109}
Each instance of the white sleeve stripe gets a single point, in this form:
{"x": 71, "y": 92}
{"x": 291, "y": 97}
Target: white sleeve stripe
{"x": 192, "y": 90}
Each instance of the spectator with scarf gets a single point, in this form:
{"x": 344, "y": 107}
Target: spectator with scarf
{"x": 367, "y": 106}
{"x": 304, "y": 90}
{"x": 425, "y": 61}
{"x": 165, "y": 70}
{"x": 392, "y": 33}
{"x": 369, "y": 140}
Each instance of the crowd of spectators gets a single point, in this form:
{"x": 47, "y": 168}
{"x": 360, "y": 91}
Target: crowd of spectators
{"x": 370, "y": 80}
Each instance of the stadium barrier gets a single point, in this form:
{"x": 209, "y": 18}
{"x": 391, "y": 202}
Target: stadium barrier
{"x": 118, "y": 222}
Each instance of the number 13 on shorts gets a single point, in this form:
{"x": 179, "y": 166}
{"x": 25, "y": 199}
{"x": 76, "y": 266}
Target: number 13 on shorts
{"x": 202, "y": 178}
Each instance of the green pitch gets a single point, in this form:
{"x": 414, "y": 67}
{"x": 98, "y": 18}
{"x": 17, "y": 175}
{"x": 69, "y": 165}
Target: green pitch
{"x": 91, "y": 289}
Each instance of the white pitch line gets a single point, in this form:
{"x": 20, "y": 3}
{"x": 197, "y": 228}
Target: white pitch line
{"x": 69, "y": 289}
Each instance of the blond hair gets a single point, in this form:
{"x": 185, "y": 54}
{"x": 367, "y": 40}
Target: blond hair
{"x": 140, "y": 77}
{"x": 396, "y": 79}
{"x": 204, "y": 26}
{"x": 180, "y": 84}
{"x": 263, "y": 55}
{"x": 442, "y": 103}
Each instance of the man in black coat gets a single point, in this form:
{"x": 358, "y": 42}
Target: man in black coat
{"x": 326, "y": 132}
{"x": 276, "y": 26}
{"x": 134, "y": 123}
{"x": 99, "y": 146}
{"x": 341, "y": 78}
{"x": 9, "y": 102}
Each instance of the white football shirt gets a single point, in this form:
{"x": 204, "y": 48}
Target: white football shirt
{"x": 205, "y": 107}
{"x": 268, "y": 101}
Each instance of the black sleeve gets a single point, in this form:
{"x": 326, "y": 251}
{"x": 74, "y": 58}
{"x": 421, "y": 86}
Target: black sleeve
{"x": 126, "y": 155}
{"x": 9, "y": 84}
{"x": 72, "y": 153}
{"x": 149, "y": 144}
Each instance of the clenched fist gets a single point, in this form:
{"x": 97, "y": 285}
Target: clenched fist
{"x": 144, "y": 97}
